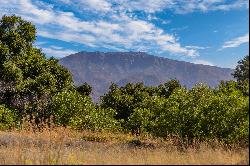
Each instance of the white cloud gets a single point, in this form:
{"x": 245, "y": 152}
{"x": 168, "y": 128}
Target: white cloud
{"x": 120, "y": 31}
{"x": 55, "y": 51}
{"x": 39, "y": 43}
{"x": 99, "y": 5}
{"x": 176, "y": 48}
{"x": 58, "y": 53}
{"x": 166, "y": 22}
{"x": 237, "y": 41}
{"x": 153, "y": 6}
{"x": 149, "y": 6}
{"x": 203, "y": 62}
{"x": 56, "y": 47}
{"x": 65, "y": 1}
{"x": 69, "y": 37}
{"x": 180, "y": 28}
{"x": 123, "y": 32}
{"x": 181, "y": 6}
{"x": 236, "y": 4}
{"x": 196, "y": 47}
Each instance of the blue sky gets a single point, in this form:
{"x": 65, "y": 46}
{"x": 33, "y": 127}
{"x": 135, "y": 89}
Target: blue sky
{"x": 213, "y": 32}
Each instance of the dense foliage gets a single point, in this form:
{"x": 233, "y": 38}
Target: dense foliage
{"x": 7, "y": 118}
{"x": 27, "y": 79}
{"x": 31, "y": 84}
{"x": 70, "y": 108}
{"x": 201, "y": 112}
{"x": 84, "y": 89}
{"x": 241, "y": 72}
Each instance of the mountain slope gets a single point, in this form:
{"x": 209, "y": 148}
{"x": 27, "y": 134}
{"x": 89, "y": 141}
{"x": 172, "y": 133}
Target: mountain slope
{"x": 100, "y": 69}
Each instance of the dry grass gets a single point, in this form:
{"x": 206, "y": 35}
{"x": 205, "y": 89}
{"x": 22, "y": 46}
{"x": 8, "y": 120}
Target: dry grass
{"x": 65, "y": 146}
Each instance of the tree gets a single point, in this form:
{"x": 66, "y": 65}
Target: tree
{"x": 70, "y": 108}
{"x": 241, "y": 72}
{"x": 28, "y": 80}
{"x": 124, "y": 99}
{"x": 167, "y": 88}
{"x": 84, "y": 89}
{"x": 16, "y": 37}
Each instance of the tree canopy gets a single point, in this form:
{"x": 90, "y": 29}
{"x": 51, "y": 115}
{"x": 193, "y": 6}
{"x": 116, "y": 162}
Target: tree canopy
{"x": 241, "y": 72}
{"x": 28, "y": 79}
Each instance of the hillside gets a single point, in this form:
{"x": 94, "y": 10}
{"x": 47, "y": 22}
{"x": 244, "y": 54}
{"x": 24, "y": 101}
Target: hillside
{"x": 100, "y": 69}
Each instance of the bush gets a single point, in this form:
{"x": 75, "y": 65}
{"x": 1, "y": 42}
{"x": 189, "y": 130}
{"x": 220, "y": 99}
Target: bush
{"x": 172, "y": 119}
{"x": 66, "y": 104}
{"x": 124, "y": 99}
{"x": 96, "y": 119}
{"x": 7, "y": 118}
{"x": 201, "y": 113}
{"x": 140, "y": 121}
{"x": 78, "y": 111}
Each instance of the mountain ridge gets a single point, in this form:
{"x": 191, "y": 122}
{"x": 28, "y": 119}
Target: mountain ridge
{"x": 99, "y": 69}
{"x": 138, "y": 53}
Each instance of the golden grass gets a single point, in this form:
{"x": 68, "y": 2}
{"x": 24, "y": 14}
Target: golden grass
{"x": 65, "y": 146}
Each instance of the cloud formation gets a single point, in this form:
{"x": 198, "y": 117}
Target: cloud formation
{"x": 112, "y": 24}
{"x": 59, "y": 53}
{"x": 55, "y": 51}
{"x": 203, "y": 62}
{"x": 177, "y": 6}
{"x": 237, "y": 41}
{"x": 123, "y": 32}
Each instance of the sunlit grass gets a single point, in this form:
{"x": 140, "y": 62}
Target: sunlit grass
{"x": 65, "y": 146}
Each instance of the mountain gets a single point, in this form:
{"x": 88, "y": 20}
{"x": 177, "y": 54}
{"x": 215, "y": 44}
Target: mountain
{"x": 99, "y": 69}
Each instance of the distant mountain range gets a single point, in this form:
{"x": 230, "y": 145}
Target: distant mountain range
{"x": 99, "y": 69}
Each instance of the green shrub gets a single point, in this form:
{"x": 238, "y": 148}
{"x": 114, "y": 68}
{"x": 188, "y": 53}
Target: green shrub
{"x": 95, "y": 119}
{"x": 7, "y": 118}
{"x": 66, "y": 104}
{"x": 141, "y": 121}
{"x": 124, "y": 99}
{"x": 78, "y": 111}
{"x": 200, "y": 113}
{"x": 172, "y": 119}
